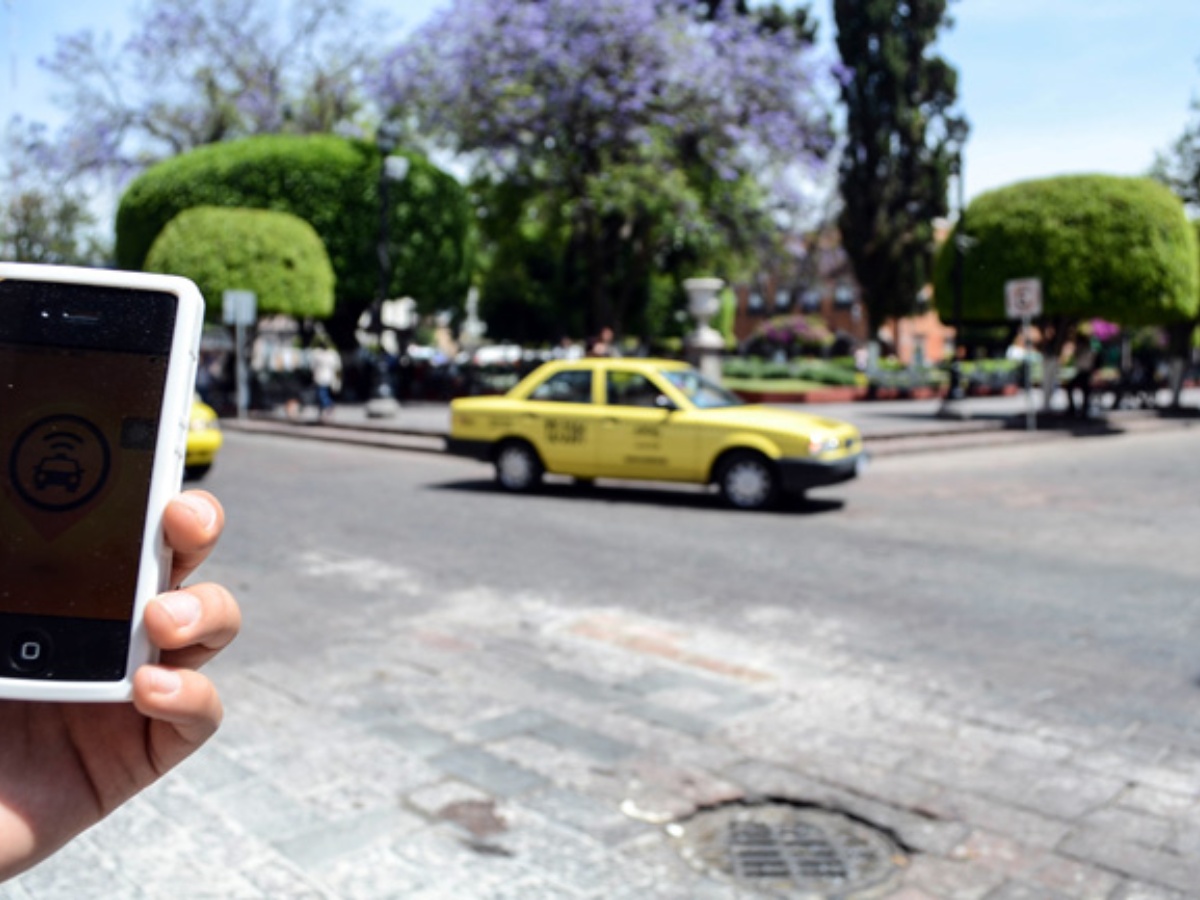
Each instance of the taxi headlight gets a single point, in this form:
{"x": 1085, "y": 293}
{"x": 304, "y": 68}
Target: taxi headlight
{"x": 819, "y": 445}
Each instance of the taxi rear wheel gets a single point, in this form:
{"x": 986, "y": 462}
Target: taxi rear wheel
{"x": 748, "y": 480}
{"x": 518, "y": 467}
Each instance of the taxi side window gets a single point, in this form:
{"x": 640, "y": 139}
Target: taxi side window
{"x": 565, "y": 387}
{"x": 631, "y": 389}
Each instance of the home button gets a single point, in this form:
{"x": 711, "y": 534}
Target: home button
{"x": 30, "y": 651}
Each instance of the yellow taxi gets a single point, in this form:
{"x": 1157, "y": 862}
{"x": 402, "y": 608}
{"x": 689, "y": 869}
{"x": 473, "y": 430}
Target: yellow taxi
{"x": 204, "y": 439}
{"x": 650, "y": 419}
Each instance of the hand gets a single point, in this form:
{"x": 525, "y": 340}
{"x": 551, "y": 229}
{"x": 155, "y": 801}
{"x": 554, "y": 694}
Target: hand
{"x": 65, "y": 766}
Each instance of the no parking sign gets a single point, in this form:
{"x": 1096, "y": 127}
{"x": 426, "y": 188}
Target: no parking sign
{"x": 1023, "y": 298}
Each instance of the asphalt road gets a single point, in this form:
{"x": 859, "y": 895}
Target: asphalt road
{"x": 1057, "y": 579}
{"x": 443, "y": 691}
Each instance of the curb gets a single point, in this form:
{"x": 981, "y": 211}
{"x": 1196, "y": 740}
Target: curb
{"x": 365, "y": 436}
{"x": 984, "y": 433}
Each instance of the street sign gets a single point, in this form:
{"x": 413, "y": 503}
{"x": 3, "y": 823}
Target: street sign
{"x": 239, "y": 307}
{"x": 1023, "y": 298}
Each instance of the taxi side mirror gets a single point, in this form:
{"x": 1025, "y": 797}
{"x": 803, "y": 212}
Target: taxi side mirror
{"x": 662, "y": 401}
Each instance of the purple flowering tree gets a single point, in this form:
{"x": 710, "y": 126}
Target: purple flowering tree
{"x": 645, "y": 135}
{"x": 197, "y": 73}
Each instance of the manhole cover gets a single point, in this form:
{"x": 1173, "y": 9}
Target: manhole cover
{"x": 791, "y": 850}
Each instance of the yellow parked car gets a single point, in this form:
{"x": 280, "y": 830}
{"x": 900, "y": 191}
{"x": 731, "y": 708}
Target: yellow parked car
{"x": 204, "y": 439}
{"x": 651, "y": 419}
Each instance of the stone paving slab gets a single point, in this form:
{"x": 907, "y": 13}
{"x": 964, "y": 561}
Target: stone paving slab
{"x": 536, "y": 754}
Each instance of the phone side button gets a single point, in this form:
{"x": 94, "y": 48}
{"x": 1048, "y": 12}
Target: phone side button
{"x": 31, "y": 651}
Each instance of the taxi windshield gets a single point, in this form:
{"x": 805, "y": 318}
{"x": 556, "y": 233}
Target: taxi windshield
{"x": 699, "y": 390}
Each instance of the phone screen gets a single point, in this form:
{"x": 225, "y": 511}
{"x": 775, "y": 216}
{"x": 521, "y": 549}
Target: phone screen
{"x": 82, "y": 376}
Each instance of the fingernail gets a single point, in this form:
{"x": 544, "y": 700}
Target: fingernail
{"x": 204, "y": 511}
{"x": 182, "y": 607}
{"x": 164, "y": 681}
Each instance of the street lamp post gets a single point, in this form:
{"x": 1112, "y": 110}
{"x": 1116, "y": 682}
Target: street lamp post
{"x": 383, "y": 402}
{"x": 704, "y": 345}
{"x": 955, "y": 140}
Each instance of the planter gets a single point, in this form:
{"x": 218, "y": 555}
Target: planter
{"x": 822, "y": 395}
{"x": 920, "y": 393}
{"x": 990, "y": 390}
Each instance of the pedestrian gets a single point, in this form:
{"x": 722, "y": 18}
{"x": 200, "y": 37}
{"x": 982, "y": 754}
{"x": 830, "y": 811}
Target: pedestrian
{"x": 602, "y": 344}
{"x": 567, "y": 349}
{"x": 1085, "y": 358}
{"x": 65, "y": 766}
{"x": 326, "y": 365}
{"x": 205, "y": 378}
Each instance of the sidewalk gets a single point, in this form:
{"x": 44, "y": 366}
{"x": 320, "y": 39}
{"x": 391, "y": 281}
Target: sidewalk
{"x": 500, "y": 748}
{"x": 889, "y": 427}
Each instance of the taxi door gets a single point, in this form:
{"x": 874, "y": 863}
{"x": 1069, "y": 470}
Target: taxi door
{"x": 640, "y": 437}
{"x": 561, "y": 420}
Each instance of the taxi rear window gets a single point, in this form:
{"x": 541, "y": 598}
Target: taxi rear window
{"x": 573, "y": 386}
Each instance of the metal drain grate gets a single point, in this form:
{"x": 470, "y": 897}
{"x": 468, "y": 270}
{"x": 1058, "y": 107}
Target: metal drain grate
{"x": 778, "y": 847}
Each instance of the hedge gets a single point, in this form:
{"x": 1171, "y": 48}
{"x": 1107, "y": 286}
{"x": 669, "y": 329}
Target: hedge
{"x": 333, "y": 184}
{"x": 277, "y": 255}
{"x": 1103, "y": 246}
{"x": 818, "y": 371}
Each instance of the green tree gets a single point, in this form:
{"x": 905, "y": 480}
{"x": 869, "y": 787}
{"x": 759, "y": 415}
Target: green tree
{"x": 522, "y": 241}
{"x": 1104, "y": 246}
{"x": 276, "y": 255}
{"x": 1178, "y": 167}
{"x": 41, "y": 226}
{"x": 660, "y": 224}
{"x": 41, "y": 220}
{"x": 895, "y": 163}
{"x": 333, "y": 184}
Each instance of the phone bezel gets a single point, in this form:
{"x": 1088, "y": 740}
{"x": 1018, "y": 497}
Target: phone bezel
{"x": 166, "y": 472}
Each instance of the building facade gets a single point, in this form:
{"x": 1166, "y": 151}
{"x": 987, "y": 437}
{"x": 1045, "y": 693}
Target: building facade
{"x": 818, "y": 279}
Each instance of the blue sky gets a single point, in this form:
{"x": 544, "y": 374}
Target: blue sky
{"x": 1050, "y": 86}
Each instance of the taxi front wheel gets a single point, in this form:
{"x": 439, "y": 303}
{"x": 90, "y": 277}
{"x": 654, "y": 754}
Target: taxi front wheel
{"x": 748, "y": 481}
{"x": 518, "y": 467}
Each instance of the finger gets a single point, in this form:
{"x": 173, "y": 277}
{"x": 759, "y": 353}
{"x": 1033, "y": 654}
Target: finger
{"x": 192, "y": 523}
{"x": 184, "y": 710}
{"x": 192, "y": 625}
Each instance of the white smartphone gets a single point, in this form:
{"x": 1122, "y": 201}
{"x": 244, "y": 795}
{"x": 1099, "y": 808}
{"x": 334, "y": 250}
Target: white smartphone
{"x": 97, "y": 373}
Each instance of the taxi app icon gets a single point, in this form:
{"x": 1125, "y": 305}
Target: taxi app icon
{"x": 61, "y": 468}
{"x": 59, "y": 463}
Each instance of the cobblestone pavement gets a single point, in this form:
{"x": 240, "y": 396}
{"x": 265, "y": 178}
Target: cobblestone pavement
{"x": 501, "y": 748}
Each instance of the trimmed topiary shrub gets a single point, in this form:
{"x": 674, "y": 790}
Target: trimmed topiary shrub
{"x": 1104, "y": 246}
{"x": 277, "y": 255}
{"x": 333, "y": 184}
